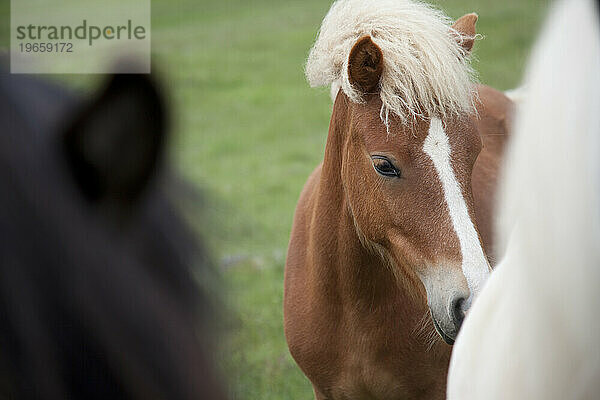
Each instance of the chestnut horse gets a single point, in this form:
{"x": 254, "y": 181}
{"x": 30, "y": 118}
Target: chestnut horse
{"x": 387, "y": 244}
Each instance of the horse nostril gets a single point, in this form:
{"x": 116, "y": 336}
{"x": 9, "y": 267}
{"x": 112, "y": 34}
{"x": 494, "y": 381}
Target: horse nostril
{"x": 458, "y": 314}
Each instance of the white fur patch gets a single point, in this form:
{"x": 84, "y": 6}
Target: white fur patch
{"x": 474, "y": 263}
{"x": 425, "y": 70}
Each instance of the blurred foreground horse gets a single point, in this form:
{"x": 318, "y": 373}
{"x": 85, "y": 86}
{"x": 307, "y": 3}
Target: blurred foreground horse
{"x": 533, "y": 332}
{"x": 97, "y": 298}
{"x": 391, "y": 234}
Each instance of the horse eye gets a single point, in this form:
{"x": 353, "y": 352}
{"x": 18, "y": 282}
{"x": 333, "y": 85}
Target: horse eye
{"x": 384, "y": 167}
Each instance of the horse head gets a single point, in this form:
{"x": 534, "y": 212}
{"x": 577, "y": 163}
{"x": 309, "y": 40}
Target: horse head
{"x": 407, "y": 173}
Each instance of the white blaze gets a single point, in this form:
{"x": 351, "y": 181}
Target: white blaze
{"x": 474, "y": 263}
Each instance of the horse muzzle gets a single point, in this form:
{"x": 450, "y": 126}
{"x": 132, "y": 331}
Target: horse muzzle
{"x": 448, "y": 320}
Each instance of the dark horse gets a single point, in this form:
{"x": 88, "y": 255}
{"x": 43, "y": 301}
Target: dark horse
{"x": 97, "y": 298}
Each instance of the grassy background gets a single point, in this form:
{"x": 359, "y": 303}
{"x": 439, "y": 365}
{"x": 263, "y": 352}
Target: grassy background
{"x": 251, "y": 130}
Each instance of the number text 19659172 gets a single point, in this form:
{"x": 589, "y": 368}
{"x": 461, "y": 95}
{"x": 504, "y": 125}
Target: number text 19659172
{"x": 59, "y": 47}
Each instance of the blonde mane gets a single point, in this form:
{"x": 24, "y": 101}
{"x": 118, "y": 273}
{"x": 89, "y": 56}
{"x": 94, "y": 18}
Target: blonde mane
{"x": 426, "y": 72}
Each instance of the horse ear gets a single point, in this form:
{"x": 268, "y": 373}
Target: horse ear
{"x": 365, "y": 65}
{"x": 464, "y": 29}
{"x": 114, "y": 145}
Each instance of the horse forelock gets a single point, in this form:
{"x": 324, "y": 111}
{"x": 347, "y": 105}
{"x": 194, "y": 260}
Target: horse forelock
{"x": 426, "y": 72}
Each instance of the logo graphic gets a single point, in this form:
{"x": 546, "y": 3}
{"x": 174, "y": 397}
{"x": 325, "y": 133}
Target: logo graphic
{"x": 66, "y": 36}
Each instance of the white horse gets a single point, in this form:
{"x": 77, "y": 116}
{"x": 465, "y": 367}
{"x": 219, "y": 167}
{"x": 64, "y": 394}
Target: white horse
{"x": 533, "y": 332}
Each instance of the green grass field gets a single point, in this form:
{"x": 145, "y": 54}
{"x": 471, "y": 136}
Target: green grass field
{"x": 250, "y": 131}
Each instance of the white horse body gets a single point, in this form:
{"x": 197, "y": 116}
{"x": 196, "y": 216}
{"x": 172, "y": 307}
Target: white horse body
{"x": 533, "y": 333}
